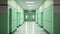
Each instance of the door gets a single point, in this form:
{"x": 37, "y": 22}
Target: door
{"x": 29, "y": 16}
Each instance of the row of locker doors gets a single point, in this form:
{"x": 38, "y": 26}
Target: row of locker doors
{"x": 14, "y": 20}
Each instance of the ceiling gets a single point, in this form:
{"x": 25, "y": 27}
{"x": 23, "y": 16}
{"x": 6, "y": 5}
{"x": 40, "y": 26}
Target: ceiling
{"x": 35, "y": 4}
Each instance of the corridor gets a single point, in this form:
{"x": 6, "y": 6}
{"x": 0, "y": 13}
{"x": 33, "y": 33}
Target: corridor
{"x": 29, "y": 16}
{"x": 30, "y": 28}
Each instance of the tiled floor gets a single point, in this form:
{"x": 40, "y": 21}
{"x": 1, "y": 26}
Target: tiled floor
{"x": 30, "y": 28}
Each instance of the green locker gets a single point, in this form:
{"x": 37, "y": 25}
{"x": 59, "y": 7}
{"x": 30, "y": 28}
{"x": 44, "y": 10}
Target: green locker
{"x": 12, "y": 19}
{"x": 21, "y": 17}
{"x": 8, "y": 17}
{"x": 40, "y": 19}
{"x": 39, "y": 14}
{"x": 36, "y": 20}
{"x": 15, "y": 18}
{"x": 51, "y": 18}
{"x": 48, "y": 19}
{"x": 45, "y": 16}
{"x": 18, "y": 18}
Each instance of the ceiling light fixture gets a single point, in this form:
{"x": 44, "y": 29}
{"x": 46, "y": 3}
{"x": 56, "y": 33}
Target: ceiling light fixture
{"x": 30, "y": 2}
{"x": 30, "y": 5}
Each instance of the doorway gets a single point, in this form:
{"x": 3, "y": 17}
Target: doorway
{"x": 29, "y": 15}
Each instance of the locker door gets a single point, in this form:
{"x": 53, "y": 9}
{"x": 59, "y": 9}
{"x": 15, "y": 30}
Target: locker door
{"x": 10, "y": 14}
{"x": 42, "y": 19}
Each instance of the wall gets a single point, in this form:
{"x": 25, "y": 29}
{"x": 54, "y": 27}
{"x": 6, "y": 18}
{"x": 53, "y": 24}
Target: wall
{"x": 4, "y": 29}
{"x": 3, "y": 20}
{"x": 45, "y": 16}
{"x": 57, "y": 17}
{"x": 3, "y": 1}
{"x": 16, "y": 15}
{"x": 8, "y": 16}
{"x": 51, "y": 15}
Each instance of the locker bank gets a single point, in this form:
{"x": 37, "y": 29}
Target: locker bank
{"x": 29, "y": 16}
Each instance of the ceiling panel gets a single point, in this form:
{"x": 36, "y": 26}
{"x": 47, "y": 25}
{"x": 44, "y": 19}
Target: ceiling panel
{"x": 23, "y": 4}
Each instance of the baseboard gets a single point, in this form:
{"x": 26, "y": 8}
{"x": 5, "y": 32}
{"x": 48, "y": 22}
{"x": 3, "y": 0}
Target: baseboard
{"x": 46, "y": 31}
{"x": 41, "y": 26}
{"x": 13, "y": 31}
{"x": 17, "y": 26}
{"x": 21, "y": 24}
{"x": 36, "y": 22}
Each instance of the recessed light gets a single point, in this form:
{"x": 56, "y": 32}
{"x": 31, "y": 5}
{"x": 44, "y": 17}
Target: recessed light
{"x": 30, "y": 2}
{"x": 29, "y": 5}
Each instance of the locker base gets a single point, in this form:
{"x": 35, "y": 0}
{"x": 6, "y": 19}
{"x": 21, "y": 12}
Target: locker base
{"x": 21, "y": 24}
{"x": 46, "y": 31}
{"x": 41, "y": 26}
{"x": 17, "y": 26}
{"x": 36, "y": 22}
{"x": 13, "y": 31}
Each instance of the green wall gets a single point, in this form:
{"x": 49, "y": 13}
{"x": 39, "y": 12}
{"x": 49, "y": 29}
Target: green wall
{"x": 56, "y": 23}
{"x": 4, "y": 29}
{"x": 3, "y": 23}
{"x": 57, "y": 18}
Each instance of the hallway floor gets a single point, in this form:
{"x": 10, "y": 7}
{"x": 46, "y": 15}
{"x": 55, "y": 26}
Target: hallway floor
{"x": 30, "y": 28}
